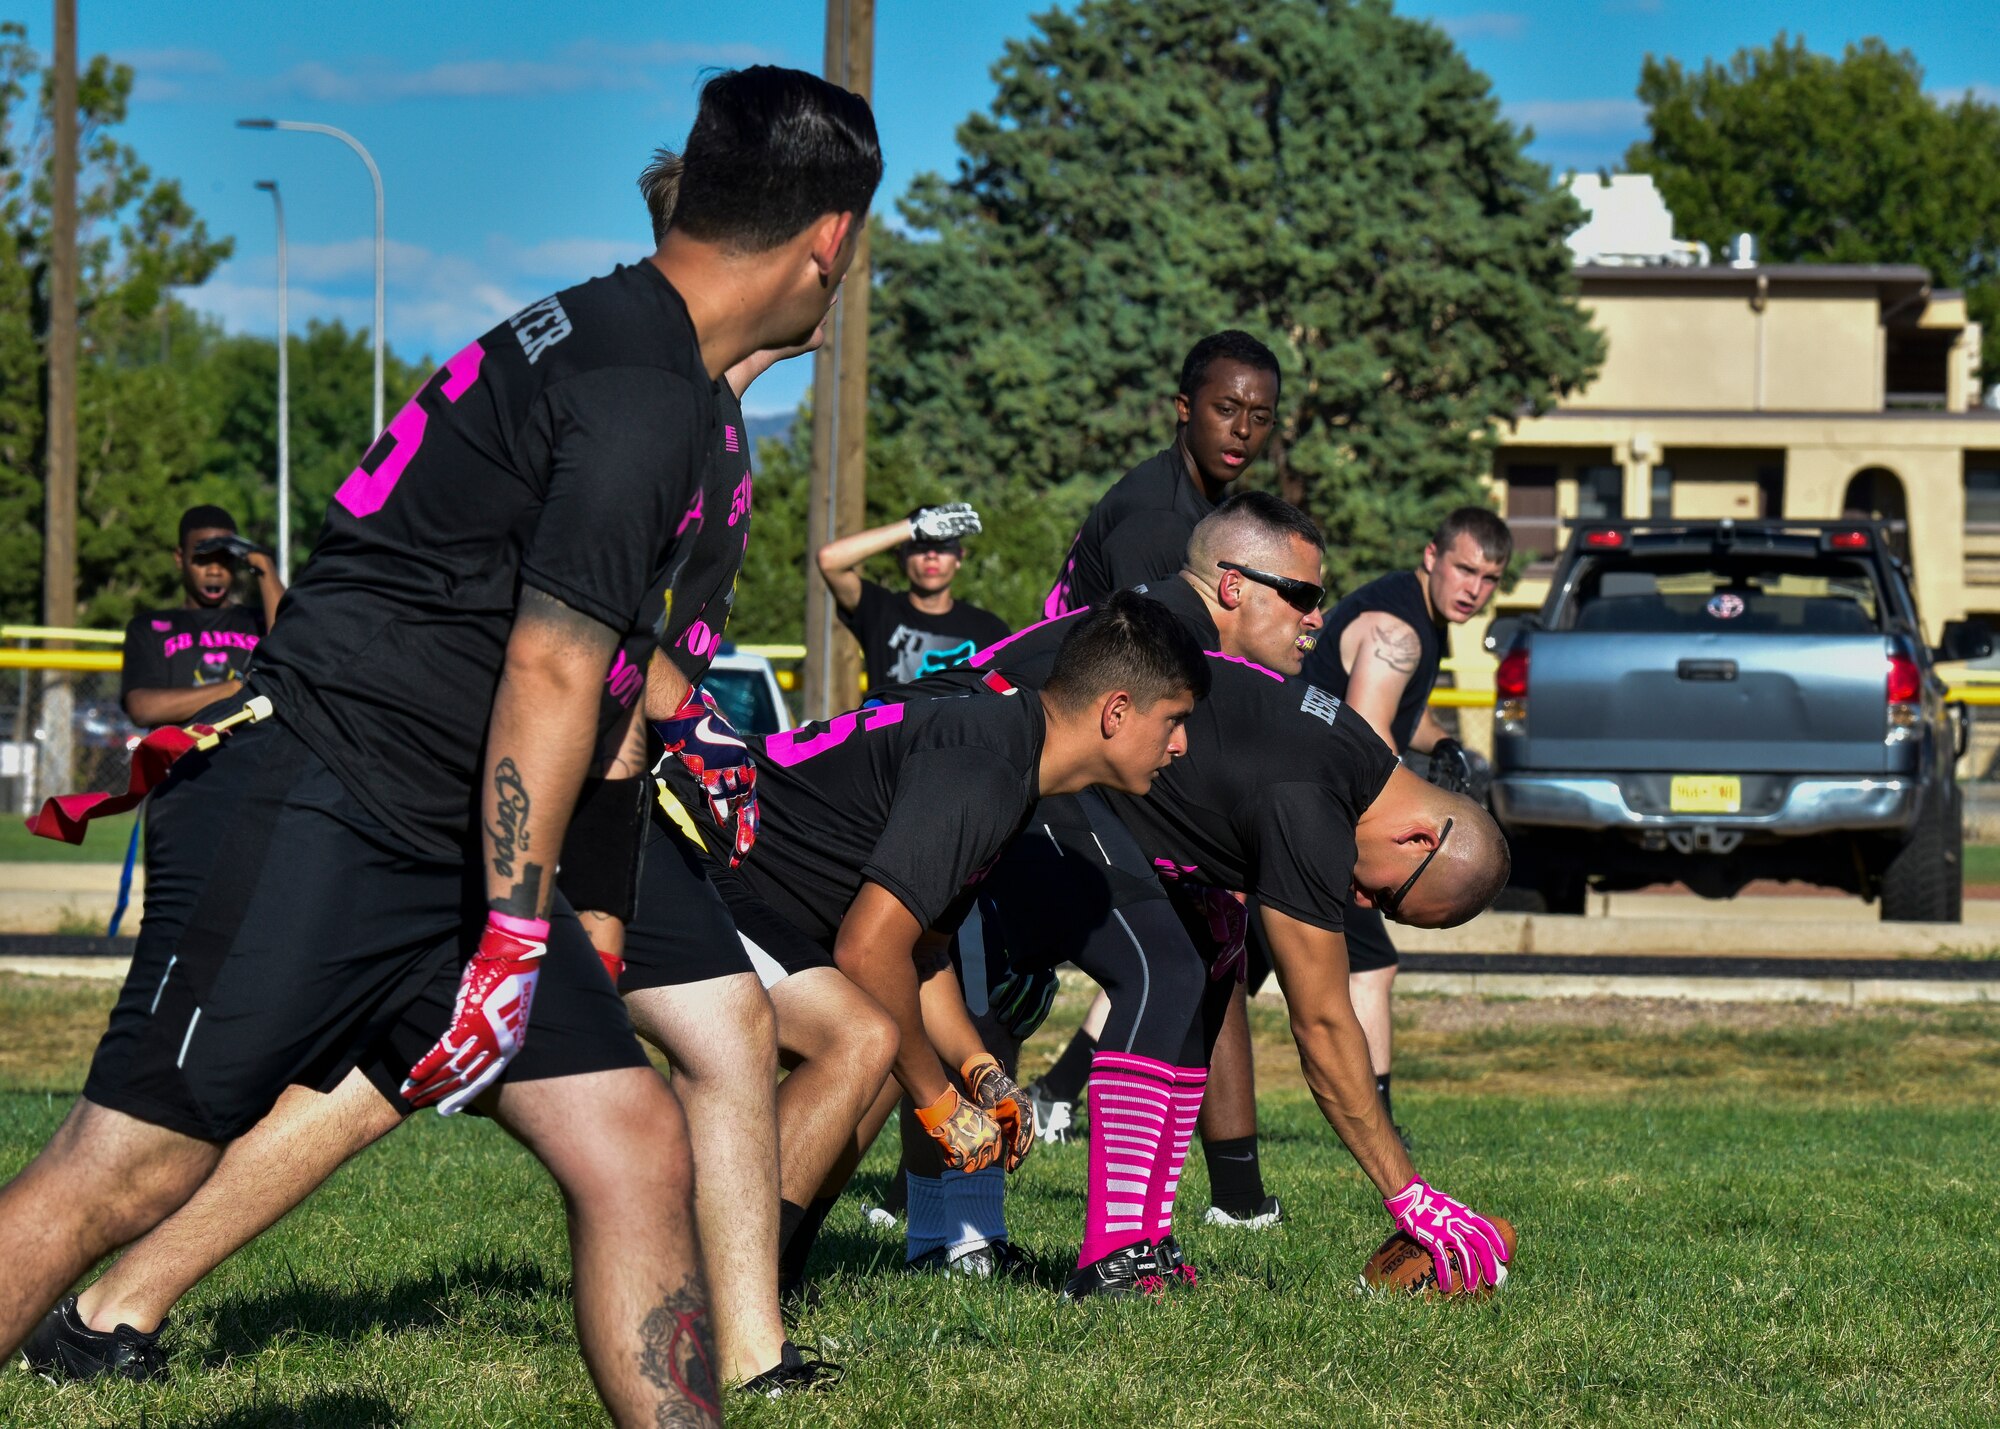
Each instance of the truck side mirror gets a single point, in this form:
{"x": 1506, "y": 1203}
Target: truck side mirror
{"x": 1500, "y": 634}
{"x": 1964, "y": 640}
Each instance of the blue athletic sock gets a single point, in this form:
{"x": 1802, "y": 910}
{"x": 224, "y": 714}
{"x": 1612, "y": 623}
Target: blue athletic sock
{"x": 929, "y": 1226}
{"x": 975, "y": 1206}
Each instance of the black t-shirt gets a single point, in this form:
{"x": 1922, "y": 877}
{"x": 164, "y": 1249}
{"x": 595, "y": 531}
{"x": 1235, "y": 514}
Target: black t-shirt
{"x": 1401, "y": 594}
{"x": 562, "y": 450}
{"x": 189, "y": 646}
{"x": 1276, "y": 774}
{"x": 900, "y": 643}
{"x": 919, "y": 797}
{"x": 1137, "y": 532}
{"x": 716, "y": 531}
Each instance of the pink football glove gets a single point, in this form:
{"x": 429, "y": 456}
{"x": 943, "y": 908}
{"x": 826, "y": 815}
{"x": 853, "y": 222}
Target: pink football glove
{"x": 1441, "y": 1225}
{"x": 700, "y": 736}
{"x": 489, "y": 1021}
{"x": 1228, "y": 927}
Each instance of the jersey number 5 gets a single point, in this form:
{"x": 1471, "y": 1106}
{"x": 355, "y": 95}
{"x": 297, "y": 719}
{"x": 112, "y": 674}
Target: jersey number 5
{"x": 364, "y": 491}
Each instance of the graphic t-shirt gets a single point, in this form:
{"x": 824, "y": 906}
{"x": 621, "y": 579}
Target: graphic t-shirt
{"x": 562, "y": 450}
{"x": 1276, "y": 774}
{"x": 189, "y": 646}
{"x": 1401, "y": 594}
{"x": 900, "y": 643}
{"x": 918, "y": 797}
{"x": 716, "y": 532}
{"x": 1137, "y": 532}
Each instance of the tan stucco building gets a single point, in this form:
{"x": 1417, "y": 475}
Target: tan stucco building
{"x": 1801, "y": 391}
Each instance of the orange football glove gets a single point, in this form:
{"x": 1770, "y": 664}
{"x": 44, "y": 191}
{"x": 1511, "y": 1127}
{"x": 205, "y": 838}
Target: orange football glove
{"x": 996, "y": 1092}
{"x": 968, "y": 1138}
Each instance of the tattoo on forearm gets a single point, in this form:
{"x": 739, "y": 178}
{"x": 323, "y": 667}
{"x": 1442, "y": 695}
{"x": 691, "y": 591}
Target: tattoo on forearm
{"x": 524, "y": 899}
{"x": 1397, "y": 647}
{"x": 677, "y": 1357}
{"x": 509, "y": 829}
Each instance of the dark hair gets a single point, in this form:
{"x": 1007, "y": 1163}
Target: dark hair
{"x": 1488, "y": 532}
{"x": 205, "y": 518}
{"x": 1275, "y": 515}
{"x": 1230, "y": 345}
{"x": 660, "y": 186}
{"x": 771, "y": 150}
{"x": 1132, "y": 643}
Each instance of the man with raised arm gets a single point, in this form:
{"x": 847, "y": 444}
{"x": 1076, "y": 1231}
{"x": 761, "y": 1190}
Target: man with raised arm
{"x": 907, "y": 634}
{"x": 425, "y": 717}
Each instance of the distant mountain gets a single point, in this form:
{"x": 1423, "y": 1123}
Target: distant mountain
{"x": 768, "y": 424}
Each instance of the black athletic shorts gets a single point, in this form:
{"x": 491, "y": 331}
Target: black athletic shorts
{"x": 1368, "y": 945}
{"x": 682, "y": 932}
{"x": 775, "y": 946}
{"x": 288, "y": 936}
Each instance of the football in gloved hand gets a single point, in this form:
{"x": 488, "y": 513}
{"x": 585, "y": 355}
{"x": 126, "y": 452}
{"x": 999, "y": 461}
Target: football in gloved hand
{"x": 1399, "y": 1263}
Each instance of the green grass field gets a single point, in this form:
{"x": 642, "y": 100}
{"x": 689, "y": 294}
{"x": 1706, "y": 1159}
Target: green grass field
{"x": 1728, "y": 1216}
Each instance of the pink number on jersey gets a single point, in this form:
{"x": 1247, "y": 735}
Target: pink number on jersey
{"x": 364, "y": 492}
{"x": 788, "y": 749}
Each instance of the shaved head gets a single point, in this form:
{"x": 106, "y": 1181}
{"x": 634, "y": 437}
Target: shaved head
{"x": 1251, "y": 528}
{"x": 1403, "y": 826}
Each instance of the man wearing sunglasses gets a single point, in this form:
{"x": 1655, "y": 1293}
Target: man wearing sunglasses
{"x": 1380, "y": 652}
{"x": 1284, "y": 794}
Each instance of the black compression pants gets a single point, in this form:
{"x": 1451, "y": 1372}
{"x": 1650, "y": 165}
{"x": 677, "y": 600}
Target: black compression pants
{"x": 1075, "y": 887}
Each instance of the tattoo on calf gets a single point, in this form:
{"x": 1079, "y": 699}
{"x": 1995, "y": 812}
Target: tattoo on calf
{"x": 677, "y": 1357}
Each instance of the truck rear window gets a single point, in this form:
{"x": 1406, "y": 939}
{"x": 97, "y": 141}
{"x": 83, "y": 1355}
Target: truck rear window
{"x": 1742, "y": 595}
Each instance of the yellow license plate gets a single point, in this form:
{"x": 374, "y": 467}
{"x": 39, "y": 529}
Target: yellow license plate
{"x": 1706, "y": 794}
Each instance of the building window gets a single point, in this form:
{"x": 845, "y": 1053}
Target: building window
{"x": 1982, "y": 497}
{"x": 1531, "y": 511}
{"x": 1663, "y": 493}
{"x": 1600, "y": 493}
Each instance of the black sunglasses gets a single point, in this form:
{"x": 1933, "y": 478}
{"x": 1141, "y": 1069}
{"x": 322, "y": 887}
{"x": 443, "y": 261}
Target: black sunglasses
{"x": 1394, "y": 901}
{"x": 1302, "y": 596}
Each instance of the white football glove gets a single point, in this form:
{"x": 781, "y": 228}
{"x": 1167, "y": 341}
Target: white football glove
{"x": 945, "y": 523}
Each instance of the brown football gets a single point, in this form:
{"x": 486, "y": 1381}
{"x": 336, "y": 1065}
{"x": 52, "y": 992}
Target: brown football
{"x": 1399, "y": 1263}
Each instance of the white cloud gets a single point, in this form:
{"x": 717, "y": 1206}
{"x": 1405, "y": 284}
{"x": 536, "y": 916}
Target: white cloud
{"x": 172, "y": 61}
{"x": 1484, "y": 25}
{"x": 1578, "y": 116}
{"x": 582, "y": 66}
{"x": 1982, "y": 93}
{"x": 435, "y": 302}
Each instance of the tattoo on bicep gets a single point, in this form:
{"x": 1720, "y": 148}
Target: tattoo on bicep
{"x": 509, "y": 829}
{"x": 677, "y": 1357}
{"x": 1397, "y": 647}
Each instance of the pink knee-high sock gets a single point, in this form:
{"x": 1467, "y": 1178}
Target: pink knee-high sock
{"x": 1131, "y": 1101}
{"x": 1189, "y": 1084}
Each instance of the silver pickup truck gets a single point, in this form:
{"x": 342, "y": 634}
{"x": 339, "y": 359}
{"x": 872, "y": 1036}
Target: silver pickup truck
{"x": 1716, "y": 702}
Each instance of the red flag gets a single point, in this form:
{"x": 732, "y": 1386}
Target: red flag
{"x": 63, "y": 818}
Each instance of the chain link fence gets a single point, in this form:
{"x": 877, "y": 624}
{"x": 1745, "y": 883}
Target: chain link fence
{"x": 61, "y": 732}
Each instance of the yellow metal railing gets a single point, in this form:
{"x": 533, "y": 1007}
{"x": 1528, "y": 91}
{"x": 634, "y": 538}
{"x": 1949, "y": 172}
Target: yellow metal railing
{"x": 57, "y": 632}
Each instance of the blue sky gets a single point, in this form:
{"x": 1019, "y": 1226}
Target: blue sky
{"x": 509, "y": 133}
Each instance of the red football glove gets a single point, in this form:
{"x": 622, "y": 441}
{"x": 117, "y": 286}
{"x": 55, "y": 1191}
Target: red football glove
{"x": 489, "y": 1021}
{"x": 1440, "y": 1225}
{"x": 613, "y": 964}
{"x": 699, "y": 735}
{"x": 997, "y": 1095}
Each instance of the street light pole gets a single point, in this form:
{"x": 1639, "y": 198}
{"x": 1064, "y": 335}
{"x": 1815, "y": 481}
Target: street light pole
{"x": 375, "y": 177}
{"x": 270, "y": 186}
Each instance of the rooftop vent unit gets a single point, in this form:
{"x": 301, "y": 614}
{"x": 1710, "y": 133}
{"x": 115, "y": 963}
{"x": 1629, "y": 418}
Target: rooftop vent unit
{"x": 1629, "y": 225}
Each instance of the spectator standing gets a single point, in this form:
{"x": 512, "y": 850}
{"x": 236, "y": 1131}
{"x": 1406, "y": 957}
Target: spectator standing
{"x": 923, "y": 628}
{"x": 180, "y": 660}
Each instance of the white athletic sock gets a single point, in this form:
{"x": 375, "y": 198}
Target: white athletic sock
{"x": 975, "y": 1206}
{"x": 929, "y": 1225}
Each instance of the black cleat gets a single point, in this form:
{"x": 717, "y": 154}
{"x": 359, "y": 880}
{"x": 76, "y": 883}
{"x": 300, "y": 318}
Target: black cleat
{"x": 1174, "y": 1267}
{"x": 1134, "y": 1270}
{"x": 994, "y": 1260}
{"x": 794, "y": 1374}
{"x": 63, "y": 1347}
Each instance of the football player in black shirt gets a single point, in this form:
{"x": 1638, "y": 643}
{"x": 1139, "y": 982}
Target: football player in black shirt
{"x": 1380, "y": 652}
{"x": 1285, "y": 795}
{"x": 874, "y": 823}
{"x": 905, "y": 635}
{"x": 426, "y": 714}
{"x": 1225, "y": 409}
{"x": 180, "y": 660}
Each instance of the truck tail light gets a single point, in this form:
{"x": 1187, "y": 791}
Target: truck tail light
{"x": 1905, "y": 698}
{"x": 1510, "y": 692}
{"x": 1604, "y": 540}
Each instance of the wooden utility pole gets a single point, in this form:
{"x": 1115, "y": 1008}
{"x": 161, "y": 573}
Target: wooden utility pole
{"x": 837, "y": 505}
{"x": 59, "y": 493}
{"x": 59, "y": 482}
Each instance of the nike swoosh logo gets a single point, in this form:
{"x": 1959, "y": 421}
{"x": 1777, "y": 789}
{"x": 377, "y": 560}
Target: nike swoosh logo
{"x": 1235, "y": 1158}
{"x": 707, "y": 732}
